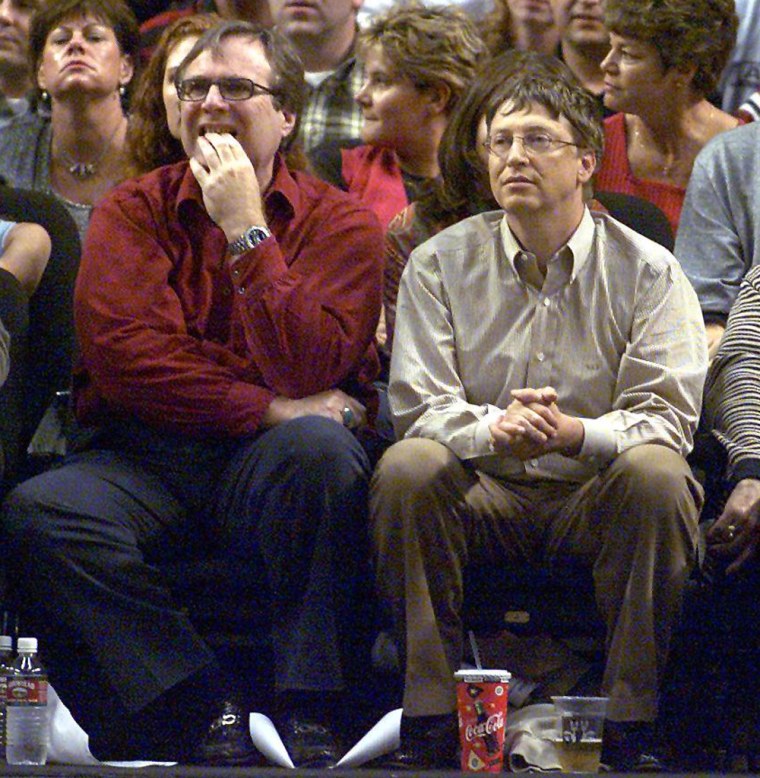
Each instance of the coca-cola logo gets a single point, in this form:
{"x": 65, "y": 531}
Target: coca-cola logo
{"x": 492, "y": 724}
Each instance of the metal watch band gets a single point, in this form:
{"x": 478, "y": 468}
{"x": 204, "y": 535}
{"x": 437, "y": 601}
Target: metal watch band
{"x": 248, "y": 240}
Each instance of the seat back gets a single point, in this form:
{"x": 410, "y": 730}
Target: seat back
{"x": 42, "y": 336}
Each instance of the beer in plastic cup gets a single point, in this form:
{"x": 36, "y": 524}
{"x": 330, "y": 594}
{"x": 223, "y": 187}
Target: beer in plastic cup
{"x": 482, "y": 710}
{"x": 580, "y": 728}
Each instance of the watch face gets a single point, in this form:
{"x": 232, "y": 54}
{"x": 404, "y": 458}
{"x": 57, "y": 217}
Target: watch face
{"x": 249, "y": 239}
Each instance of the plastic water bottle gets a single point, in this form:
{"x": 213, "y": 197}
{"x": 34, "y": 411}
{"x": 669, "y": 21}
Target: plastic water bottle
{"x": 26, "y": 708}
{"x": 6, "y": 660}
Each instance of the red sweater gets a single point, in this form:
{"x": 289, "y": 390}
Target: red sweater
{"x": 615, "y": 174}
{"x": 170, "y": 334}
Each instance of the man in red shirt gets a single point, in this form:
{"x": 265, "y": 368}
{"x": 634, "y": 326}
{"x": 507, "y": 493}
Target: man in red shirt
{"x": 225, "y": 310}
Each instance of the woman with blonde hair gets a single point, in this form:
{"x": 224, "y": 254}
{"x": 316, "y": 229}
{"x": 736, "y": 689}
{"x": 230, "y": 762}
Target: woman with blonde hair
{"x": 418, "y": 62}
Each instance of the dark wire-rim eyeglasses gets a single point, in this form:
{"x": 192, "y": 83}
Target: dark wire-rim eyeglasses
{"x": 195, "y": 89}
{"x": 533, "y": 143}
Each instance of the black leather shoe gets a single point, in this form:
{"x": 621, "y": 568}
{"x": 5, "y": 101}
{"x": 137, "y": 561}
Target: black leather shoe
{"x": 311, "y": 743}
{"x": 227, "y": 742}
{"x": 427, "y": 743}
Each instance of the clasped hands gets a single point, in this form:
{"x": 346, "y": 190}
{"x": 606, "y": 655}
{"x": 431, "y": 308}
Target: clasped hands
{"x": 533, "y": 425}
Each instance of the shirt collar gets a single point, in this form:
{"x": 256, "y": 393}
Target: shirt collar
{"x": 577, "y": 249}
{"x": 281, "y": 192}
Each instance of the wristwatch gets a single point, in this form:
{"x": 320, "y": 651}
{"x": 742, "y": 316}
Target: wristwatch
{"x": 248, "y": 240}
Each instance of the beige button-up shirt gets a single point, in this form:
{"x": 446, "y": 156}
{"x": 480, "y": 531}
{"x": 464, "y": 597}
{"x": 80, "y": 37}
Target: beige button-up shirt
{"x": 615, "y": 328}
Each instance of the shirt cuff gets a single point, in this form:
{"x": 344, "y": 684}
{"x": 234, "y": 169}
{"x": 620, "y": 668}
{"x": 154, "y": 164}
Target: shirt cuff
{"x": 483, "y": 442}
{"x": 745, "y": 468}
{"x": 599, "y": 442}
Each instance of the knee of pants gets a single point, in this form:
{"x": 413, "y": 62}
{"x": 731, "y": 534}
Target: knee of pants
{"x": 658, "y": 480}
{"x": 25, "y": 523}
{"x": 414, "y": 466}
{"x": 324, "y": 450}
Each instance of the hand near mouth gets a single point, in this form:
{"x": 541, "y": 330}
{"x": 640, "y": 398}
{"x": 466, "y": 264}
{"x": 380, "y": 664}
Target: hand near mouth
{"x": 228, "y": 182}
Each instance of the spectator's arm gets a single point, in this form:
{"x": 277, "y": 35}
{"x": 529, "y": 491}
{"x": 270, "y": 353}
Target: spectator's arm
{"x": 25, "y": 254}
{"x": 708, "y": 244}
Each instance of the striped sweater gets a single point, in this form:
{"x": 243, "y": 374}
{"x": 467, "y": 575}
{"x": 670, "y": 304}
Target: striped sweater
{"x": 732, "y": 389}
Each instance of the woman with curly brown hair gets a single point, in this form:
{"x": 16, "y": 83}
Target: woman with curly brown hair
{"x": 418, "y": 62}
{"x": 666, "y": 57}
{"x": 153, "y": 134}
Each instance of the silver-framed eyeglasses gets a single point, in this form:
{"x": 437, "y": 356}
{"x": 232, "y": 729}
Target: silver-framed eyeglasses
{"x": 533, "y": 142}
{"x": 233, "y": 88}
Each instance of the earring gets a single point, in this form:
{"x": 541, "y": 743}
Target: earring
{"x": 122, "y": 90}
{"x": 44, "y": 96}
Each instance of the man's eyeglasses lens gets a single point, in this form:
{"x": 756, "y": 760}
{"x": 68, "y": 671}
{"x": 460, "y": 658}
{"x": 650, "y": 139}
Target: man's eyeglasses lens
{"x": 196, "y": 89}
{"x": 533, "y": 143}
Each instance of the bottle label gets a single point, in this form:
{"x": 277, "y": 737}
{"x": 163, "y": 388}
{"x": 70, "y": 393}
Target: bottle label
{"x": 27, "y": 691}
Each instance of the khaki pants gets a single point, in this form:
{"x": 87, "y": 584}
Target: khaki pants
{"x": 635, "y": 524}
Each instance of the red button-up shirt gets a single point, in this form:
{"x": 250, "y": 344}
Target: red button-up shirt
{"x": 170, "y": 333}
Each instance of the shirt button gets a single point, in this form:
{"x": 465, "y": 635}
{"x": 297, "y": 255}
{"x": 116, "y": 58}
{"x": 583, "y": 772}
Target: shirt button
{"x": 236, "y": 273}
{"x": 241, "y": 290}
{"x": 547, "y": 302}
{"x": 226, "y": 291}
{"x": 540, "y": 356}
{"x": 534, "y": 463}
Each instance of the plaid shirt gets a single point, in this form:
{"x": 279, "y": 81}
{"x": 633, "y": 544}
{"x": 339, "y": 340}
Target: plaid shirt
{"x": 331, "y": 112}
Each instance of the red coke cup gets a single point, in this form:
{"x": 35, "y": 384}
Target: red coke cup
{"x": 482, "y": 708}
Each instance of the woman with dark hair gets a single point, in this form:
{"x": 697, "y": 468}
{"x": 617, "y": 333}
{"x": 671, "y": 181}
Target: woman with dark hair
{"x": 83, "y": 54}
{"x": 153, "y": 134}
{"x": 665, "y": 59}
{"x": 463, "y": 188}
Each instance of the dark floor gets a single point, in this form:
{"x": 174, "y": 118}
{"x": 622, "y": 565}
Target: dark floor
{"x": 53, "y": 771}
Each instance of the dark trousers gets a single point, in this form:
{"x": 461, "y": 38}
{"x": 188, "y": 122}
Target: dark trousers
{"x": 86, "y": 544}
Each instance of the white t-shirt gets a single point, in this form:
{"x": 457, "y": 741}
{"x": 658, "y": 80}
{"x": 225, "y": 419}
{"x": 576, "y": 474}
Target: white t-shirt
{"x": 477, "y": 9}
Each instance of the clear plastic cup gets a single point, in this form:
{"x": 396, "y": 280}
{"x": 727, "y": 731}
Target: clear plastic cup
{"x": 580, "y": 729}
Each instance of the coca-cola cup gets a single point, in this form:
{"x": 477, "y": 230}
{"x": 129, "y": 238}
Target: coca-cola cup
{"x": 482, "y": 708}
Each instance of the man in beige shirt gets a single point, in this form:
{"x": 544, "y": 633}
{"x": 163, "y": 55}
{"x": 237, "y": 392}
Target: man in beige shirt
{"x": 545, "y": 385}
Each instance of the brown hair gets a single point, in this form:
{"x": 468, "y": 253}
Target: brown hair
{"x": 496, "y": 28}
{"x": 463, "y": 189}
{"x": 701, "y": 33}
{"x": 149, "y": 143}
{"x": 115, "y": 14}
{"x": 288, "y": 84}
{"x": 429, "y": 46}
{"x": 562, "y": 95}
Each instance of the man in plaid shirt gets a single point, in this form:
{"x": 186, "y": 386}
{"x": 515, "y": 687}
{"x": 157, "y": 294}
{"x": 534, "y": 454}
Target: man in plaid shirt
{"x": 324, "y": 32}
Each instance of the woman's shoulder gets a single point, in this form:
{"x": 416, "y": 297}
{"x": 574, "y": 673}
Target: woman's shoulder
{"x": 24, "y": 141}
{"x": 715, "y": 122}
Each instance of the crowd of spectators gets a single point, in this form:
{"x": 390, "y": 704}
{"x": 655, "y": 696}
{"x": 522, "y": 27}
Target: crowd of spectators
{"x": 369, "y": 293}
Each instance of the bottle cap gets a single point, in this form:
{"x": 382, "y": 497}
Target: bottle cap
{"x": 6, "y": 643}
{"x": 27, "y": 644}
